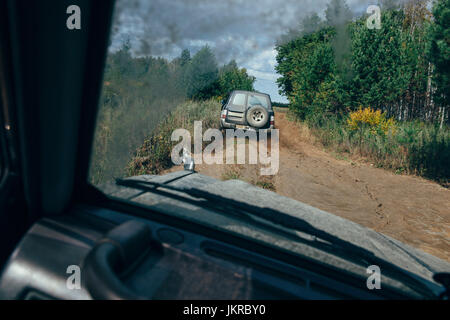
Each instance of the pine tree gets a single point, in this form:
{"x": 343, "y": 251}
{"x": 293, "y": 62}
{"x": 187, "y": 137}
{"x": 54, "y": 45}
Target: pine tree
{"x": 185, "y": 57}
{"x": 439, "y": 52}
{"x": 201, "y": 74}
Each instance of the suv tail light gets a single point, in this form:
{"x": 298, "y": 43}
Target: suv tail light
{"x": 272, "y": 120}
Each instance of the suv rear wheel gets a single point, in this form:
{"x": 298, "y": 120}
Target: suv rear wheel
{"x": 257, "y": 116}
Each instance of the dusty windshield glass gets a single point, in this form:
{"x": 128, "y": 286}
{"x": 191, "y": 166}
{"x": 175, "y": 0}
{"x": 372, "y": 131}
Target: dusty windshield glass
{"x": 360, "y": 121}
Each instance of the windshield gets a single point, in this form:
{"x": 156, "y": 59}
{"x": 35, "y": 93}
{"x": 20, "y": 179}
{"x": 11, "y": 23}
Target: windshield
{"x": 341, "y": 105}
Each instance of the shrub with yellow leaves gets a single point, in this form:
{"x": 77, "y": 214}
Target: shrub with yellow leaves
{"x": 374, "y": 120}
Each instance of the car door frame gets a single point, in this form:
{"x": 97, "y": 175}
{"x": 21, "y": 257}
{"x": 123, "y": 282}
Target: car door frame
{"x": 53, "y": 133}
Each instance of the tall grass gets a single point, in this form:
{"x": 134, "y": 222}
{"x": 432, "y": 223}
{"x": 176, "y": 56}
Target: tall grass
{"x": 154, "y": 155}
{"x": 122, "y": 127}
{"x": 415, "y": 148}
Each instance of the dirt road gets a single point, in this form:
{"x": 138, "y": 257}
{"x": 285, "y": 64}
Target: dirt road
{"x": 410, "y": 209}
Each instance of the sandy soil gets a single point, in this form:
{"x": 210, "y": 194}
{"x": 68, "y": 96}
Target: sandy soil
{"x": 408, "y": 208}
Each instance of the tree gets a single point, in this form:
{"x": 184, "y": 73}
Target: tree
{"x": 417, "y": 19}
{"x": 305, "y": 64}
{"x": 201, "y": 74}
{"x": 185, "y": 57}
{"x": 232, "y": 78}
{"x": 338, "y": 15}
{"x": 345, "y": 64}
{"x": 379, "y": 62}
{"x": 311, "y": 23}
{"x": 179, "y": 67}
{"x": 439, "y": 51}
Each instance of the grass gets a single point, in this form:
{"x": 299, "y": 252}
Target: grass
{"x": 153, "y": 156}
{"x": 280, "y": 110}
{"x": 122, "y": 126}
{"x": 239, "y": 172}
{"x": 416, "y": 147}
{"x": 340, "y": 156}
{"x": 231, "y": 173}
{"x": 268, "y": 185}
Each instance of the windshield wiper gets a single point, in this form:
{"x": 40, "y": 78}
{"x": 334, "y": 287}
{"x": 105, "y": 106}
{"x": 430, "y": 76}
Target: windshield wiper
{"x": 269, "y": 218}
{"x": 249, "y": 212}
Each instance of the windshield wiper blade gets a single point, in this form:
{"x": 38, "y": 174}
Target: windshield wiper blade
{"x": 242, "y": 210}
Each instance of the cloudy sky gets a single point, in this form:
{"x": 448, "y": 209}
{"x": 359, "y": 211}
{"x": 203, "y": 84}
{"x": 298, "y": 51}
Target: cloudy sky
{"x": 244, "y": 30}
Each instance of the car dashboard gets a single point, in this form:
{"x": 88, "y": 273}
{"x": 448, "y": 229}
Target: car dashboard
{"x": 174, "y": 264}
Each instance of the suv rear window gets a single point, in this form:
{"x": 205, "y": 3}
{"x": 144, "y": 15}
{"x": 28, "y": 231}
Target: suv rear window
{"x": 239, "y": 99}
{"x": 258, "y": 100}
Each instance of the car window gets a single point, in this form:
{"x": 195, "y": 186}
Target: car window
{"x": 258, "y": 100}
{"x": 239, "y": 99}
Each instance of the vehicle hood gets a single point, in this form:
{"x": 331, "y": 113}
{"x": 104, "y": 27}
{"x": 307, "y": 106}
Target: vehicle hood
{"x": 417, "y": 262}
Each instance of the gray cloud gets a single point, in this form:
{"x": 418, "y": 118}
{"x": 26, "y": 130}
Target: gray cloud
{"x": 238, "y": 29}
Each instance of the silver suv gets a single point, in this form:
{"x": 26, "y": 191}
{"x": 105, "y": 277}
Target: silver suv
{"x": 247, "y": 110}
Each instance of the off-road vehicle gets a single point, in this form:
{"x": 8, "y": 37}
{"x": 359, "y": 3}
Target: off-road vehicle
{"x": 247, "y": 110}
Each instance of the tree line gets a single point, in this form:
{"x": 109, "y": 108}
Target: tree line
{"x": 337, "y": 64}
{"x": 198, "y": 77}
